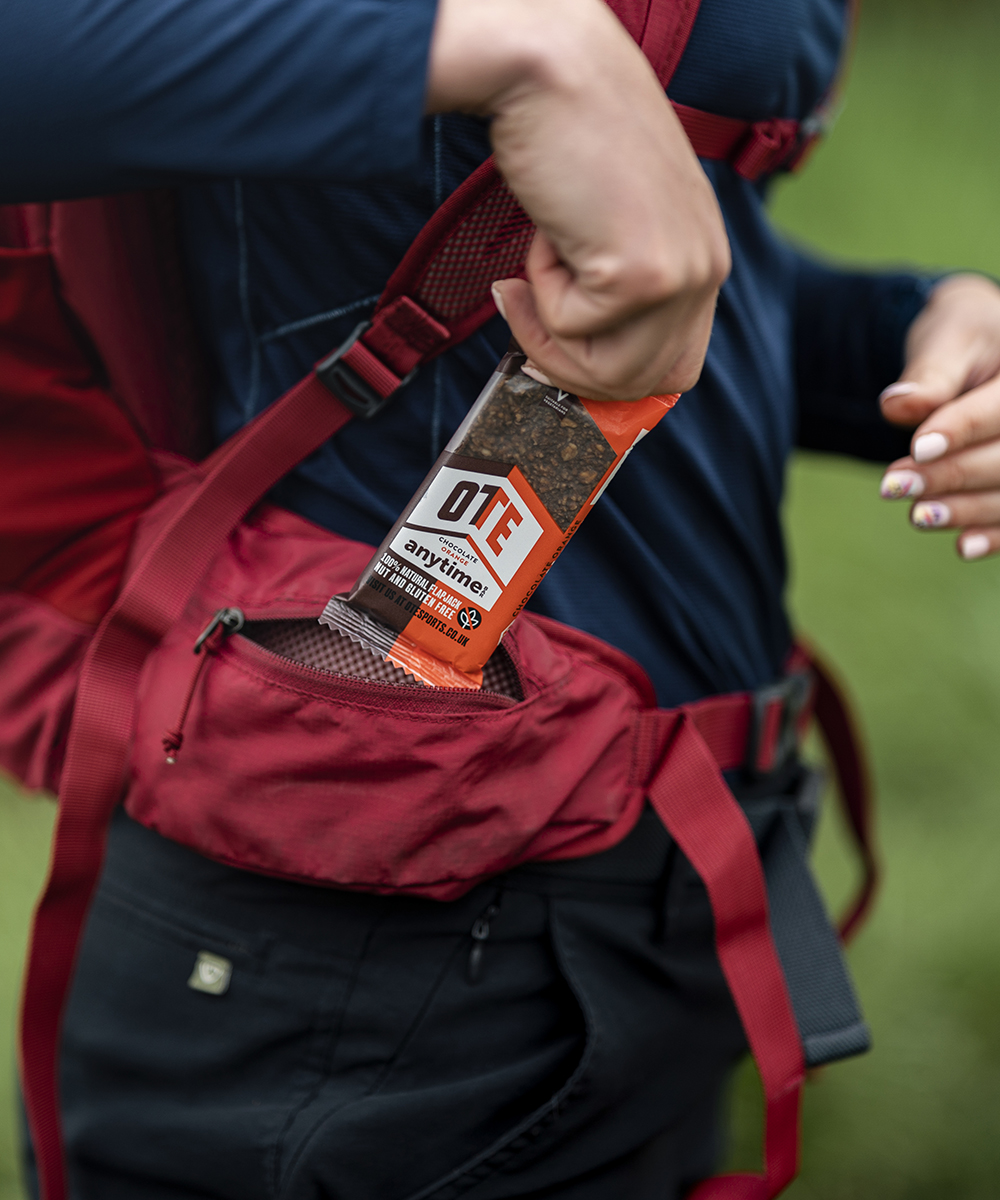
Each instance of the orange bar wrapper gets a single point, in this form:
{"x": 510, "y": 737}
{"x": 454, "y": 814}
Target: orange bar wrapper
{"x": 508, "y": 492}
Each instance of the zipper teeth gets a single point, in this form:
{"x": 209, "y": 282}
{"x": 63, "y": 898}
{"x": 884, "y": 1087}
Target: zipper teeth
{"x": 423, "y": 696}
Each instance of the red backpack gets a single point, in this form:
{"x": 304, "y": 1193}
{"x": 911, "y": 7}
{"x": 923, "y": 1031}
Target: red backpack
{"x": 121, "y": 557}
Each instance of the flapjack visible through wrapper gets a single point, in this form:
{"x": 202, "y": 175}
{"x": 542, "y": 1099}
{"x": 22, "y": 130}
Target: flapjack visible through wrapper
{"x": 508, "y": 492}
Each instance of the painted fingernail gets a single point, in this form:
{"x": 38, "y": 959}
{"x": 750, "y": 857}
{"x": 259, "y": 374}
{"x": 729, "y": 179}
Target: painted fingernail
{"x": 897, "y": 484}
{"x": 930, "y": 446}
{"x": 529, "y": 368}
{"x": 930, "y": 514}
{"x": 498, "y": 301}
{"x": 897, "y": 389}
{"x": 976, "y": 545}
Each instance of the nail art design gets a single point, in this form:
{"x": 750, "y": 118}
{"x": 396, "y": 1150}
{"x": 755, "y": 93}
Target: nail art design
{"x": 898, "y": 484}
{"x": 930, "y": 446}
{"x": 976, "y": 545}
{"x": 930, "y": 514}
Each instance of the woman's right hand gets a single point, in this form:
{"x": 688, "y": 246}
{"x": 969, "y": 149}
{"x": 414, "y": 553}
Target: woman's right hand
{"x": 631, "y": 250}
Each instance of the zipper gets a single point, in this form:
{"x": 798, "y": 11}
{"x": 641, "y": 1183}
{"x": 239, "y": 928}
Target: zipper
{"x": 431, "y": 700}
{"x": 480, "y": 934}
{"x": 226, "y": 621}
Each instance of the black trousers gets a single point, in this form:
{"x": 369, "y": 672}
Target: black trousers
{"x": 562, "y": 1031}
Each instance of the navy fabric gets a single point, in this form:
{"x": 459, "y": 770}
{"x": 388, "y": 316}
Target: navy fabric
{"x": 98, "y": 95}
{"x": 681, "y": 564}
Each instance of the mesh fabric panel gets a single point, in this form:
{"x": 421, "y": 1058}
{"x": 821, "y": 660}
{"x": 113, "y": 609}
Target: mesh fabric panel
{"x": 490, "y": 243}
{"x": 324, "y": 649}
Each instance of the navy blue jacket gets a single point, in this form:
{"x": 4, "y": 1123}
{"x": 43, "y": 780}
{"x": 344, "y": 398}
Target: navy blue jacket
{"x": 293, "y": 130}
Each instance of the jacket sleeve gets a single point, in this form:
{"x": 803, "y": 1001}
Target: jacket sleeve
{"x": 850, "y": 330}
{"x": 104, "y": 95}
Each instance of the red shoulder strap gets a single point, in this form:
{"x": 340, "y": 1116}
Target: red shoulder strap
{"x": 661, "y": 30}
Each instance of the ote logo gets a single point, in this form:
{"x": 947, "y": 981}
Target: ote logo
{"x": 469, "y": 617}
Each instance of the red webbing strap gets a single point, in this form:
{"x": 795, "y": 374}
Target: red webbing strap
{"x": 725, "y": 723}
{"x": 703, "y": 817}
{"x": 661, "y": 30}
{"x": 153, "y": 598}
{"x": 752, "y": 148}
{"x": 833, "y": 716}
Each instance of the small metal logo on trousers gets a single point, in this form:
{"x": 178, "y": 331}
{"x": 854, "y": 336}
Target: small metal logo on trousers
{"x": 211, "y": 974}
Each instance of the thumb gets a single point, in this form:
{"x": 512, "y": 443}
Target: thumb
{"x": 926, "y": 383}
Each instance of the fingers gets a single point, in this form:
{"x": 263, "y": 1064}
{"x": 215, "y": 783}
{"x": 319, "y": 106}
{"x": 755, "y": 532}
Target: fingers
{"x": 959, "y": 492}
{"x": 952, "y": 347}
{"x": 976, "y": 515}
{"x": 974, "y": 469}
{"x": 634, "y": 360}
{"x": 600, "y": 347}
{"x": 972, "y": 418}
{"x": 979, "y": 543}
{"x": 957, "y": 512}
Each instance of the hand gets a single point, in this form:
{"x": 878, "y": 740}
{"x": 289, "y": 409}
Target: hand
{"x": 631, "y": 249}
{"x": 950, "y": 388}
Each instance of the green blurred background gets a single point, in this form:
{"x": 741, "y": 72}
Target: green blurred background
{"x": 911, "y": 174}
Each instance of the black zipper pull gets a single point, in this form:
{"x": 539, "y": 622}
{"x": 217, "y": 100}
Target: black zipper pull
{"x": 479, "y": 933}
{"x": 225, "y": 622}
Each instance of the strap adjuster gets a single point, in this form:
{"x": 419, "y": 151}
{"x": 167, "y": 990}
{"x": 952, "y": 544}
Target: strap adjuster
{"x": 773, "y": 736}
{"x": 355, "y": 393}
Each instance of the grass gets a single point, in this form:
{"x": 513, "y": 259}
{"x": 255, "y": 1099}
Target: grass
{"x": 910, "y": 174}
{"x": 25, "y": 826}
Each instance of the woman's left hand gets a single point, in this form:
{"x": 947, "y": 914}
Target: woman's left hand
{"x": 950, "y": 389}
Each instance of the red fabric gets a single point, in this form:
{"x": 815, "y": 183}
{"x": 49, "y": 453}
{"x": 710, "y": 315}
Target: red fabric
{"x": 41, "y": 651}
{"x": 74, "y": 475}
{"x": 119, "y": 268}
{"x": 708, "y": 825}
{"x": 754, "y": 148}
{"x": 833, "y": 715}
{"x": 661, "y": 30}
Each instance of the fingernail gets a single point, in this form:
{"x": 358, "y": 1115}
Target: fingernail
{"x": 498, "y": 301}
{"x": 930, "y": 514}
{"x": 929, "y": 446}
{"x": 529, "y": 368}
{"x": 976, "y": 545}
{"x": 897, "y": 389}
{"x": 897, "y": 484}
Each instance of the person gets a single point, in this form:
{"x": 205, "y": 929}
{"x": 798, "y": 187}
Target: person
{"x": 358, "y": 1053}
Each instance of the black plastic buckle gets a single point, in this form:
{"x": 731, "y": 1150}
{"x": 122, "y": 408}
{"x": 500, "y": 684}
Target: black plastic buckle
{"x": 792, "y": 693}
{"x": 348, "y": 386}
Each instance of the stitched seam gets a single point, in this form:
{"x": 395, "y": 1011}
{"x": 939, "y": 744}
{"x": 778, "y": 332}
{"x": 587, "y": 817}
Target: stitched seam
{"x": 138, "y": 912}
{"x": 479, "y": 715}
{"x": 317, "y": 319}
{"x": 325, "y": 1073}
{"x": 250, "y": 407}
{"x": 468, "y": 882}
{"x": 502, "y": 1152}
